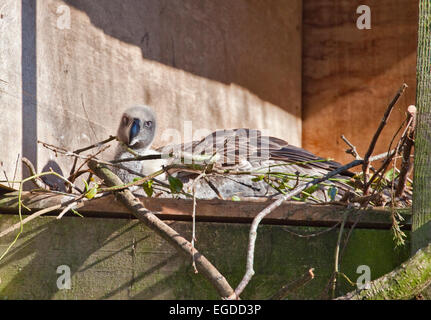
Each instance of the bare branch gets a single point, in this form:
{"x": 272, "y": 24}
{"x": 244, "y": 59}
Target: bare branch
{"x": 288, "y": 288}
{"x": 352, "y": 149}
{"x": 376, "y": 136}
{"x": 405, "y": 165}
{"x": 38, "y": 182}
{"x": 337, "y": 255}
{"x": 253, "y": 229}
{"x": 149, "y": 219}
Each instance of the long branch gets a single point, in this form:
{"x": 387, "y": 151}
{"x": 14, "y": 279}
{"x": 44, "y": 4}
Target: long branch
{"x": 256, "y": 221}
{"x": 150, "y": 220}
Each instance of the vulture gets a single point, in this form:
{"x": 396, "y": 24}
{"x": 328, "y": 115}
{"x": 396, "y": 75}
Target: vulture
{"x": 243, "y": 163}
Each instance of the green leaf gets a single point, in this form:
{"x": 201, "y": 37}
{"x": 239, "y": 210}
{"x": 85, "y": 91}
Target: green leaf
{"x": 175, "y": 184}
{"x": 148, "y": 188}
{"x": 390, "y": 175}
{"x": 77, "y": 213}
{"x": 236, "y": 198}
{"x": 284, "y": 185}
{"x": 86, "y": 185}
{"x": 259, "y": 178}
{"x": 90, "y": 194}
{"x": 308, "y": 192}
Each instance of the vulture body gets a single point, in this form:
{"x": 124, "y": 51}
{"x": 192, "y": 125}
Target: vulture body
{"x": 243, "y": 162}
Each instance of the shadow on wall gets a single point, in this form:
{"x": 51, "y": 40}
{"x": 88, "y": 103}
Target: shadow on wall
{"x": 255, "y": 44}
{"x": 53, "y": 181}
{"x": 29, "y": 82}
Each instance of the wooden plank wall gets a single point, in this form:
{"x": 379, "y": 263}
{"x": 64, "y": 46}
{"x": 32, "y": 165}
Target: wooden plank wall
{"x": 123, "y": 259}
{"x": 219, "y": 64}
{"x": 350, "y": 75}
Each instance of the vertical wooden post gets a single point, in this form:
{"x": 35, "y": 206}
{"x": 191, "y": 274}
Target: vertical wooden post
{"x": 421, "y": 235}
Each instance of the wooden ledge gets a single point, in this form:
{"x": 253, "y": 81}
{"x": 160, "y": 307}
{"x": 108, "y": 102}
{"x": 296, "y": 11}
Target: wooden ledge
{"x": 289, "y": 213}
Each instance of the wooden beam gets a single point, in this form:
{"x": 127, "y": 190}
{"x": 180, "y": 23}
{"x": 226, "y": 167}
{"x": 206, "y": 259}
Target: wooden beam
{"x": 289, "y": 213}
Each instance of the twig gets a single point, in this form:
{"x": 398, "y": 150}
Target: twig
{"x": 194, "y": 229}
{"x": 71, "y": 205}
{"x": 140, "y": 158}
{"x": 74, "y": 201}
{"x": 76, "y": 155}
{"x": 16, "y": 168}
{"x": 125, "y": 186}
{"x": 149, "y": 219}
{"x": 38, "y": 182}
{"x": 96, "y": 145}
{"x": 7, "y": 179}
{"x": 337, "y": 254}
{"x": 352, "y": 149}
{"x": 401, "y": 142}
{"x": 20, "y": 205}
{"x": 385, "y": 118}
{"x": 86, "y": 115}
{"x": 315, "y": 234}
{"x": 405, "y": 165}
{"x": 194, "y": 217}
{"x": 253, "y": 229}
{"x": 286, "y": 289}
{"x": 73, "y": 176}
{"x": 29, "y": 218}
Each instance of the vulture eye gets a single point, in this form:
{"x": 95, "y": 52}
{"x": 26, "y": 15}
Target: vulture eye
{"x": 134, "y": 130}
{"x": 148, "y": 124}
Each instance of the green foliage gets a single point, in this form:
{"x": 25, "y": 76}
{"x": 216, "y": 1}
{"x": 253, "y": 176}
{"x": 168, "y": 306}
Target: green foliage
{"x": 77, "y": 213}
{"x": 309, "y": 191}
{"x": 398, "y": 235}
{"x": 148, "y": 188}
{"x": 259, "y": 178}
{"x": 90, "y": 193}
{"x": 175, "y": 184}
{"x": 389, "y": 175}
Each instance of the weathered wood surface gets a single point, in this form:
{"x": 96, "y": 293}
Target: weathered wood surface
{"x": 123, "y": 259}
{"x": 218, "y": 64}
{"x": 289, "y": 213}
{"x": 350, "y": 75}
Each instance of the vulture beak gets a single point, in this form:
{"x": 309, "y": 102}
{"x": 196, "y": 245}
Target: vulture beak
{"x": 134, "y": 131}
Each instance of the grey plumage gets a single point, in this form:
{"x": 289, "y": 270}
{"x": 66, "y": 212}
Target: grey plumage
{"x": 236, "y": 150}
